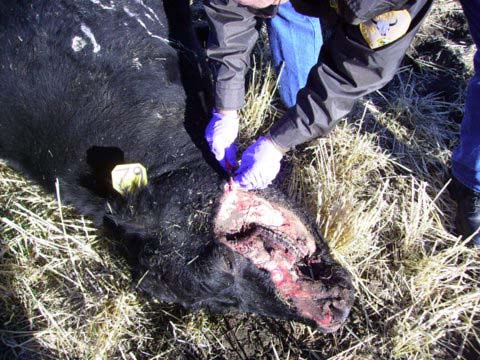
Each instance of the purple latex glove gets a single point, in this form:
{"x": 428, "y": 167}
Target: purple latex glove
{"x": 221, "y": 132}
{"x": 260, "y": 165}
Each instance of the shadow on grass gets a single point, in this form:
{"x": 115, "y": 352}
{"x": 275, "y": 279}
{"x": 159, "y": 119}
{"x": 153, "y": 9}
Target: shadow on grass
{"x": 17, "y": 336}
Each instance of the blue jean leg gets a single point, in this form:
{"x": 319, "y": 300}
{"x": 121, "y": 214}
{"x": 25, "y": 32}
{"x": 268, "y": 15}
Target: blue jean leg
{"x": 295, "y": 42}
{"x": 466, "y": 157}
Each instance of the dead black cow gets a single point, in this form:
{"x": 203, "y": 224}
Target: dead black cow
{"x": 88, "y": 85}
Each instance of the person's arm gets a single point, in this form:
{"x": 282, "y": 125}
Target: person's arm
{"x": 347, "y": 70}
{"x": 232, "y": 37}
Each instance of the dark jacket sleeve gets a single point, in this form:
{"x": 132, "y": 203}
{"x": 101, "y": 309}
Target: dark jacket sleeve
{"x": 232, "y": 37}
{"x": 356, "y": 11}
{"x": 347, "y": 70}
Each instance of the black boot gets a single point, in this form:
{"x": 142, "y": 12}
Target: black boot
{"x": 468, "y": 210}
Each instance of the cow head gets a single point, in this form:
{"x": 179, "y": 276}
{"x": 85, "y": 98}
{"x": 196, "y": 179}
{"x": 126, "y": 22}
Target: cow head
{"x": 226, "y": 249}
{"x": 263, "y": 229}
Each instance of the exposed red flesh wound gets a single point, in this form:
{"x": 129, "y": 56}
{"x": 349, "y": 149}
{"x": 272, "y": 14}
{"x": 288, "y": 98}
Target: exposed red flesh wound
{"x": 239, "y": 209}
{"x": 275, "y": 240}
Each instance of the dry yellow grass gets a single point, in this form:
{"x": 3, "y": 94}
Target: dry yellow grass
{"x": 376, "y": 187}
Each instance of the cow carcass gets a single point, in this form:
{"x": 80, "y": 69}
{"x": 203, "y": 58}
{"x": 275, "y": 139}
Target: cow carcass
{"x": 89, "y": 85}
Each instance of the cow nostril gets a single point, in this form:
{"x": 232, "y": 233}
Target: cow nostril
{"x": 313, "y": 269}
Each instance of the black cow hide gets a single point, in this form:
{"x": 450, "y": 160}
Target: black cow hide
{"x": 87, "y": 85}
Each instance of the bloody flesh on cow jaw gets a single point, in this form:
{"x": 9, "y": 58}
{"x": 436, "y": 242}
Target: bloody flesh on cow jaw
{"x": 277, "y": 241}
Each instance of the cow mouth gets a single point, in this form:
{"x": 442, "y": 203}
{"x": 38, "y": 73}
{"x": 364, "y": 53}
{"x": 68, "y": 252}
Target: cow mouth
{"x": 277, "y": 241}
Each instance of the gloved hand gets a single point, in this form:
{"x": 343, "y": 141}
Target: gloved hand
{"x": 260, "y": 165}
{"x": 221, "y": 132}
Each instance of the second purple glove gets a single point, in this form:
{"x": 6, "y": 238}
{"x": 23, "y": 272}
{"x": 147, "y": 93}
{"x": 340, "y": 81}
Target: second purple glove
{"x": 260, "y": 165}
{"x": 221, "y": 132}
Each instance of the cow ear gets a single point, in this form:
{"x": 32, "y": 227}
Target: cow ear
{"x": 102, "y": 160}
{"x": 130, "y": 235}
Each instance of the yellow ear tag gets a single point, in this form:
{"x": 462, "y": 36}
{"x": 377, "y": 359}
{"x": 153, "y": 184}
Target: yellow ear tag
{"x": 334, "y": 5}
{"x": 127, "y": 177}
{"x": 385, "y": 28}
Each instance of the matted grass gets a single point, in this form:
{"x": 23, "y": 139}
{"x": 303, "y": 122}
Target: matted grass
{"x": 376, "y": 188}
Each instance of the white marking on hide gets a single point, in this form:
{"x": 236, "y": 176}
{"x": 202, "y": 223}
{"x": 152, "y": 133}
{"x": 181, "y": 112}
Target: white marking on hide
{"x": 142, "y": 24}
{"x": 128, "y": 12}
{"x": 105, "y": 7}
{"x": 78, "y": 43}
{"x": 88, "y": 33}
{"x": 149, "y": 17}
{"x": 136, "y": 63}
{"x": 149, "y": 9}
